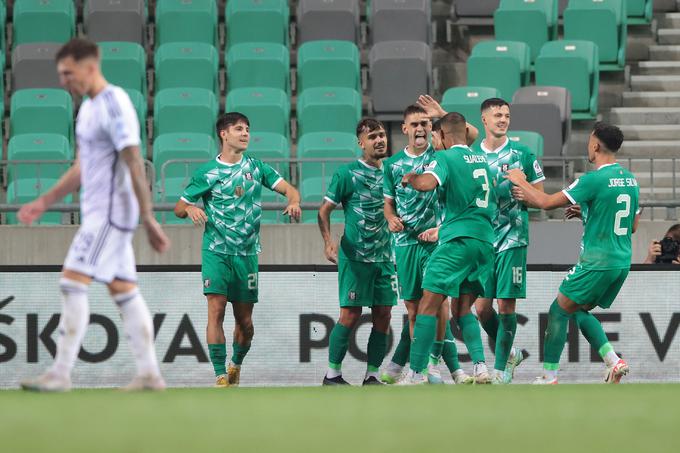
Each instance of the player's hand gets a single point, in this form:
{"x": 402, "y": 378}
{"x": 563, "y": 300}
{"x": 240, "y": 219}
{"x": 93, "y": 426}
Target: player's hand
{"x": 331, "y": 251}
{"x": 432, "y": 107}
{"x": 406, "y": 180}
{"x": 573, "y": 212}
{"x": 395, "y": 224}
{"x": 515, "y": 175}
{"x": 293, "y": 210}
{"x": 32, "y": 211}
{"x": 157, "y": 238}
{"x": 518, "y": 194}
{"x": 197, "y": 215}
{"x": 431, "y": 235}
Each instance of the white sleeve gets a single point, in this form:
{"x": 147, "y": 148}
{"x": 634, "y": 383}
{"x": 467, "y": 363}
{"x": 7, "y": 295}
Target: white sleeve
{"x": 123, "y": 121}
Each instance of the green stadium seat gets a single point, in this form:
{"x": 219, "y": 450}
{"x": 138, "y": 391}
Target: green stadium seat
{"x": 268, "y": 109}
{"x": 504, "y": 65}
{"x": 38, "y": 147}
{"x": 187, "y": 65}
{"x": 533, "y": 22}
{"x": 24, "y": 190}
{"x": 330, "y": 151}
{"x": 43, "y": 21}
{"x": 313, "y": 190}
{"x": 139, "y": 102}
{"x": 257, "y": 21}
{"x": 328, "y": 109}
{"x": 270, "y": 216}
{"x": 258, "y": 64}
{"x": 572, "y": 65}
{"x": 181, "y": 146}
{"x": 185, "y": 110}
{"x": 532, "y": 140}
{"x": 170, "y": 190}
{"x": 328, "y": 63}
{"x": 639, "y": 12}
{"x": 124, "y": 64}
{"x": 273, "y": 149}
{"x": 3, "y": 21}
{"x": 603, "y": 22}
{"x": 468, "y": 102}
{"x": 42, "y": 111}
{"x": 186, "y": 21}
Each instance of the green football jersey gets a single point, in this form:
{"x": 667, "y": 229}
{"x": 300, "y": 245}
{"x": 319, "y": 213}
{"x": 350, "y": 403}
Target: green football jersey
{"x": 609, "y": 200}
{"x": 359, "y": 187}
{"x": 466, "y": 195}
{"x": 231, "y": 196}
{"x": 417, "y": 210}
{"x": 511, "y": 223}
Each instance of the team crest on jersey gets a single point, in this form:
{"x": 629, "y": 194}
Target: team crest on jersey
{"x": 238, "y": 191}
{"x": 505, "y": 167}
{"x": 352, "y": 295}
{"x": 206, "y": 283}
{"x": 249, "y": 176}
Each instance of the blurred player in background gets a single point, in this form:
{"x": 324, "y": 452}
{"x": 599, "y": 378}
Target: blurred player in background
{"x": 608, "y": 205}
{"x": 511, "y": 227}
{"x": 230, "y": 187}
{"x": 366, "y": 276}
{"x": 114, "y": 195}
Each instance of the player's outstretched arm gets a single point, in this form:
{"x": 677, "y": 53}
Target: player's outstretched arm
{"x": 528, "y": 194}
{"x": 68, "y": 183}
{"x": 330, "y": 248}
{"x": 394, "y": 222}
{"x": 195, "y": 214}
{"x": 435, "y": 110}
{"x": 157, "y": 238}
{"x": 293, "y": 196}
{"x": 422, "y": 183}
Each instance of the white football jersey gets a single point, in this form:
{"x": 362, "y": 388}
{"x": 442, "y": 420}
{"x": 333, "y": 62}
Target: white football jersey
{"x": 107, "y": 124}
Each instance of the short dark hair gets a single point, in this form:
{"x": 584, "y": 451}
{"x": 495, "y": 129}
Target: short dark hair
{"x": 454, "y": 122}
{"x": 610, "y": 135}
{"x": 674, "y": 232}
{"x": 414, "y": 108}
{"x": 437, "y": 125}
{"x": 78, "y": 49}
{"x": 493, "y": 102}
{"x": 368, "y": 125}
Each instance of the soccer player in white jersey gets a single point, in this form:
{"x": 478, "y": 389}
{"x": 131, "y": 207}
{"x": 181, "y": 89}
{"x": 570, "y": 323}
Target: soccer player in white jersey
{"x": 114, "y": 194}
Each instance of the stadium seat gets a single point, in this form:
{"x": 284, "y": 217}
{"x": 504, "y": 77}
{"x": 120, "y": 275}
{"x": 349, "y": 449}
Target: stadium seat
{"x": 400, "y": 20}
{"x": 603, "y": 22}
{"x": 37, "y": 21}
{"x": 504, "y": 65}
{"x": 170, "y": 190}
{"x": 573, "y": 65}
{"x": 257, "y": 21}
{"x": 546, "y": 110}
{"x": 124, "y": 64}
{"x": 329, "y": 151}
{"x": 181, "y": 146}
{"x": 25, "y": 190}
{"x": 272, "y": 216}
{"x": 139, "y": 102}
{"x": 258, "y": 64}
{"x": 328, "y": 109}
{"x": 313, "y": 190}
{"x": 400, "y": 71}
{"x": 639, "y": 12}
{"x": 328, "y": 19}
{"x": 3, "y": 22}
{"x": 328, "y": 63}
{"x": 48, "y": 111}
{"x": 186, "y": 21}
{"x": 33, "y": 66}
{"x": 468, "y": 102}
{"x": 475, "y": 8}
{"x": 530, "y": 139}
{"x": 531, "y": 22}
{"x": 38, "y": 147}
{"x": 268, "y": 109}
{"x": 273, "y": 149}
{"x": 187, "y": 65}
{"x": 115, "y": 20}
{"x": 185, "y": 110}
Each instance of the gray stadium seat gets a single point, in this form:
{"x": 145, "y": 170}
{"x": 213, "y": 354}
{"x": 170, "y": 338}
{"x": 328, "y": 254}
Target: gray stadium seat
{"x": 33, "y": 66}
{"x": 401, "y": 20}
{"x": 400, "y": 71}
{"x": 328, "y": 19}
{"x": 546, "y": 110}
{"x": 115, "y": 20}
{"x": 475, "y": 8}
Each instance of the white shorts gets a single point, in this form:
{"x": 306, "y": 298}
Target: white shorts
{"x": 102, "y": 252}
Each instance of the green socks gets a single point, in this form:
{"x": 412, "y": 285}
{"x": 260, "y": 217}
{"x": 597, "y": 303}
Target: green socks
{"x": 218, "y": 357}
{"x": 436, "y": 352}
{"x": 423, "y": 337}
{"x": 240, "y": 352}
{"x": 491, "y": 326}
{"x": 403, "y": 349}
{"x": 591, "y": 329}
{"x": 377, "y": 348}
{"x": 450, "y": 352}
{"x": 472, "y": 337}
{"x": 338, "y": 344}
{"x": 555, "y": 336}
{"x": 506, "y": 335}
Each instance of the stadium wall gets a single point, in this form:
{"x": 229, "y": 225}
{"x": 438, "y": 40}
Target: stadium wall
{"x": 297, "y": 309}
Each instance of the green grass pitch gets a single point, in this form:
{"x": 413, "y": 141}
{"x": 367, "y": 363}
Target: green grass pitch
{"x": 569, "y": 418}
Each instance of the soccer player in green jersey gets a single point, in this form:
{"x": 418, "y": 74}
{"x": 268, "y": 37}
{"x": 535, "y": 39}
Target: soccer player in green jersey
{"x": 511, "y": 226}
{"x": 462, "y": 261}
{"x": 366, "y": 276}
{"x": 230, "y": 187}
{"x": 608, "y": 201}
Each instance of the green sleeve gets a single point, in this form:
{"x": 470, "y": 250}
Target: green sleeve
{"x": 438, "y": 168}
{"x": 532, "y": 168}
{"x": 340, "y": 187}
{"x": 270, "y": 177}
{"x": 581, "y": 190}
{"x": 388, "y": 182}
{"x": 198, "y": 186}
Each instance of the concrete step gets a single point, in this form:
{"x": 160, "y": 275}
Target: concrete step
{"x": 646, "y": 193}
{"x": 671, "y": 67}
{"x": 644, "y": 166}
{"x": 651, "y": 98}
{"x": 664, "y": 52}
{"x": 644, "y": 115}
{"x": 668, "y": 36}
{"x": 655, "y": 82}
{"x": 668, "y": 20}
{"x": 633, "y": 132}
{"x": 650, "y": 148}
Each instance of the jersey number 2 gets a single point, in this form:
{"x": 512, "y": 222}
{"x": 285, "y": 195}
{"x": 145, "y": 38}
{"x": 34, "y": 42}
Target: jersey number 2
{"x": 481, "y": 173}
{"x": 622, "y": 214}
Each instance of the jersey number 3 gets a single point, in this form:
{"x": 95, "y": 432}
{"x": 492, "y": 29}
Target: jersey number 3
{"x": 622, "y": 214}
{"x": 481, "y": 173}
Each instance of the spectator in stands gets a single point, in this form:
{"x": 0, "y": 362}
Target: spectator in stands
{"x": 671, "y": 243}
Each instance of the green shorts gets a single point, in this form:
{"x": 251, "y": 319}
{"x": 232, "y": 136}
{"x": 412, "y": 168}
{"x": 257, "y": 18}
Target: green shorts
{"x": 411, "y": 262}
{"x": 462, "y": 265}
{"x": 593, "y": 287}
{"x": 232, "y": 276}
{"x": 365, "y": 284}
{"x": 509, "y": 277}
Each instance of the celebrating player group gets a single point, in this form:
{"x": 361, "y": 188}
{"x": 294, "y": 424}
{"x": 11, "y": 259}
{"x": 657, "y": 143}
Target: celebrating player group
{"x": 453, "y": 219}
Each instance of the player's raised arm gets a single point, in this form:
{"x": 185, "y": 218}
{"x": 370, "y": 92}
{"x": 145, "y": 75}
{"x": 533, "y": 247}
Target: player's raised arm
{"x": 324, "y": 219}
{"x": 530, "y": 195}
{"x": 435, "y": 110}
{"x": 426, "y": 182}
{"x": 293, "y": 196}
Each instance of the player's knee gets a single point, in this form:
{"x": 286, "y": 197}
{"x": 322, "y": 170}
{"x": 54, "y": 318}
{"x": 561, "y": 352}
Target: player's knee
{"x": 69, "y": 286}
{"x": 349, "y": 318}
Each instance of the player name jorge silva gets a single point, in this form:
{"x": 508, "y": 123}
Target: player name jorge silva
{"x": 622, "y": 182}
